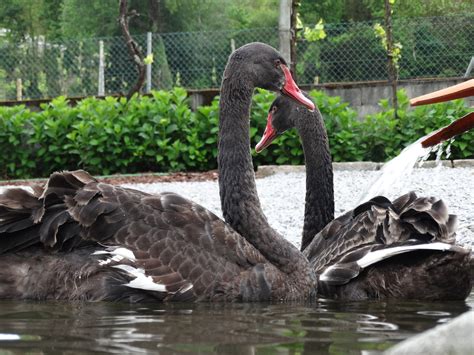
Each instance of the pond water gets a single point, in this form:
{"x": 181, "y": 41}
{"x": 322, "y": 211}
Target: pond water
{"x": 322, "y": 327}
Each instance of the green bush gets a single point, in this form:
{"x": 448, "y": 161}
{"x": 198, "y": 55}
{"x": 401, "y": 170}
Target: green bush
{"x": 160, "y": 133}
{"x": 377, "y": 137}
{"x": 385, "y": 136}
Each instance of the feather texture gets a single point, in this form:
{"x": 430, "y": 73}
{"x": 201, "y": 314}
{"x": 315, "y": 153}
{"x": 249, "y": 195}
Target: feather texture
{"x": 181, "y": 251}
{"x": 164, "y": 245}
{"x": 389, "y": 249}
{"x": 382, "y": 249}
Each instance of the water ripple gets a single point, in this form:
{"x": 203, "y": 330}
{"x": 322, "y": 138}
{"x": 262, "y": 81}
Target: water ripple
{"x": 324, "y": 327}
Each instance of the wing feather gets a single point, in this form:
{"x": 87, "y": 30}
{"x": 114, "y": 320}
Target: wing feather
{"x": 377, "y": 230}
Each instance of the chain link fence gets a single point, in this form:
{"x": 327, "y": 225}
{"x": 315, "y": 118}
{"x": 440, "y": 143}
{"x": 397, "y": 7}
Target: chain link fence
{"x": 432, "y": 47}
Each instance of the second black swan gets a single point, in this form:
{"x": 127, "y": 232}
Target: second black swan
{"x": 401, "y": 249}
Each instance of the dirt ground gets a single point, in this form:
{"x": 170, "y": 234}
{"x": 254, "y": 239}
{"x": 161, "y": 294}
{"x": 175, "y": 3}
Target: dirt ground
{"x": 134, "y": 179}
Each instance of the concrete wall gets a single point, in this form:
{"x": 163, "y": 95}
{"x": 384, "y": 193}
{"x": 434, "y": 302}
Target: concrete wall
{"x": 364, "y": 96}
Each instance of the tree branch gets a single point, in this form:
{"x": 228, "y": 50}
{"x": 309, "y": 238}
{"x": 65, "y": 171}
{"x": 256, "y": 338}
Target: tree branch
{"x": 294, "y": 13}
{"x": 392, "y": 69}
{"x": 133, "y": 47}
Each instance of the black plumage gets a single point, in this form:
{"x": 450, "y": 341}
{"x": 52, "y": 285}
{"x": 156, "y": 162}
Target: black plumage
{"x": 79, "y": 239}
{"x": 402, "y": 249}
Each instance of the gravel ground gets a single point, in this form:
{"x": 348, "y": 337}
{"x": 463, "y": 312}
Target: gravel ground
{"x": 282, "y": 195}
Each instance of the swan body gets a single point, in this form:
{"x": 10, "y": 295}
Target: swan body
{"x": 79, "y": 239}
{"x": 92, "y": 241}
{"x": 382, "y": 249}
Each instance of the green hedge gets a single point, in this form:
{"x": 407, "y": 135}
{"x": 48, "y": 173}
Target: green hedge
{"x": 161, "y": 133}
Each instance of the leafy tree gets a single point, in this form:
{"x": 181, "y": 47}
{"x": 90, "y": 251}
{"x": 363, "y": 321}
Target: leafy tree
{"x": 263, "y": 13}
{"x": 421, "y": 8}
{"x": 57, "y": 19}
{"x": 51, "y": 18}
{"x": 22, "y": 18}
{"x": 97, "y": 19}
{"x": 332, "y": 11}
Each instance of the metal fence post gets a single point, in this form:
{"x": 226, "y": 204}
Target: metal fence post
{"x": 469, "y": 68}
{"x": 149, "y": 51}
{"x": 284, "y": 30}
{"x": 350, "y": 53}
{"x": 101, "y": 90}
{"x": 19, "y": 90}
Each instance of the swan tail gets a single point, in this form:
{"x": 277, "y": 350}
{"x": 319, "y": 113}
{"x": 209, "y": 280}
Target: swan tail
{"x": 425, "y": 218}
{"x": 380, "y": 224}
{"x": 42, "y": 216}
{"x": 80, "y": 210}
{"x": 20, "y": 211}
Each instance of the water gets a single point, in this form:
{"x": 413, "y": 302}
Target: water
{"x": 320, "y": 328}
{"x": 395, "y": 170}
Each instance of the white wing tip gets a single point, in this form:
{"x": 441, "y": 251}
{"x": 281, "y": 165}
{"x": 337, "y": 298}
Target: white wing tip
{"x": 141, "y": 281}
{"x": 378, "y": 255}
{"x": 186, "y": 288}
{"x": 146, "y": 283}
{"x": 324, "y": 276}
{"x": 118, "y": 254}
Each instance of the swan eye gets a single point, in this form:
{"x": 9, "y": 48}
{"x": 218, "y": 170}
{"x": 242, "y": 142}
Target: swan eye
{"x": 277, "y": 63}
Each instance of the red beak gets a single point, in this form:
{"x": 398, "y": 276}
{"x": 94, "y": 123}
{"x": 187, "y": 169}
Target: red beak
{"x": 292, "y": 90}
{"x": 268, "y": 136}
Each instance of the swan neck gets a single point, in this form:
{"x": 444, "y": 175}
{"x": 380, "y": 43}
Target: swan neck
{"x": 238, "y": 193}
{"x": 319, "y": 202}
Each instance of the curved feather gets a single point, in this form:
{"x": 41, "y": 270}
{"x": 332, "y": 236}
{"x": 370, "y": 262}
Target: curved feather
{"x": 180, "y": 250}
{"x": 379, "y": 230}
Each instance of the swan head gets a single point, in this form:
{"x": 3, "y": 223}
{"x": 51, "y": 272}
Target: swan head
{"x": 282, "y": 116}
{"x": 268, "y": 70}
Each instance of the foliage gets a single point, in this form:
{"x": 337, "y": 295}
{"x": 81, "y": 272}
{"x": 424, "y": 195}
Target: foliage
{"x": 419, "y": 8}
{"x": 24, "y": 18}
{"x": 97, "y": 18}
{"x": 65, "y": 19}
{"x": 424, "y": 119}
{"x": 103, "y": 136}
{"x": 53, "y": 65}
{"x": 362, "y": 10}
{"x": 396, "y": 51}
{"x": 246, "y": 14}
{"x": 61, "y": 19}
{"x": 351, "y": 52}
{"x": 160, "y": 133}
{"x": 380, "y": 137}
{"x": 315, "y": 34}
{"x": 334, "y": 11}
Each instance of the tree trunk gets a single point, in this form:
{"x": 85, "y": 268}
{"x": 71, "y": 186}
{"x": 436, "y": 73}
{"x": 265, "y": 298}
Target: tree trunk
{"x": 154, "y": 7}
{"x": 294, "y": 14}
{"x": 392, "y": 69}
{"x": 133, "y": 48}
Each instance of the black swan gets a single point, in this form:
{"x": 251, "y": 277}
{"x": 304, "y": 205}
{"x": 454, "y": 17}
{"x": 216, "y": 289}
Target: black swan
{"x": 79, "y": 239}
{"x": 402, "y": 249}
